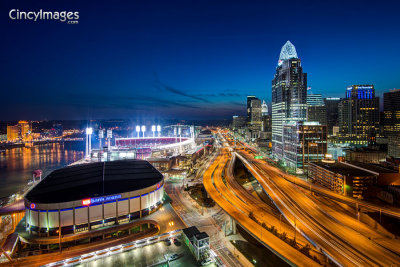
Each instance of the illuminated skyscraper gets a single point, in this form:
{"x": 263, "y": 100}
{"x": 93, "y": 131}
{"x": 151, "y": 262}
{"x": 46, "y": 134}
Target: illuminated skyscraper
{"x": 359, "y": 115}
{"x": 316, "y": 110}
{"x": 391, "y": 108}
{"x": 315, "y": 100}
{"x": 254, "y": 118}
{"x": 304, "y": 142}
{"x": 289, "y": 95}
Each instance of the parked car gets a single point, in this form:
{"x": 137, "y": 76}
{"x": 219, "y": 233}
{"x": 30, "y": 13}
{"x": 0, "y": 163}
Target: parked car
{"x": 174, "y": 257}
{"x": 206, "y": 261}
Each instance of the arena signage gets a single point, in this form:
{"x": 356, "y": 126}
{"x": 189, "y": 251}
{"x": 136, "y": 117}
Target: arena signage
{"x": 95, "y": 200}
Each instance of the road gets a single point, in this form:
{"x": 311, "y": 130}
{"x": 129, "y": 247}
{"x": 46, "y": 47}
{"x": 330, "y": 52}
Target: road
{"x": 239, "y": 211}
{"x": 344, "y": 245}
{"x": 207, "y": 222}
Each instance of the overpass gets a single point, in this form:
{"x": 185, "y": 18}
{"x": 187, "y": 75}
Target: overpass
{"x": 239, "y": 210}
{"x": 341, "y": 243}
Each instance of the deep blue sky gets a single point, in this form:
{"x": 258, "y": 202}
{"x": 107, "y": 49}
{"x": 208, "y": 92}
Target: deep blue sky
{"x": 186, "y": 59}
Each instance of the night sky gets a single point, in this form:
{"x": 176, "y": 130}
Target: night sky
{"x": 186, "y": 59}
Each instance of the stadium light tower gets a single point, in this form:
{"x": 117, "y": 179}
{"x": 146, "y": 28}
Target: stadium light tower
{"x": 101, "y": 136}
{"x": 159, "y": 130}
{"x": 153, "y": 129}
{"x": 138, "y": 130}
{"x": 143, "y": 129}
{"x": 89, "y": 132}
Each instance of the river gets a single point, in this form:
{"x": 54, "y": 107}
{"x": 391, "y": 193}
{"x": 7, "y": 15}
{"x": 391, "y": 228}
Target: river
{"x": 17, "y": 164}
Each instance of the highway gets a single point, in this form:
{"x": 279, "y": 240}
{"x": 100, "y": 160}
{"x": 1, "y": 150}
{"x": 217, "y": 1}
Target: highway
{"x": 342, "y": 244}
{"x": 239, "y": 211}
{"x": 261, "y": 211}
{"x": 390, "y": 211}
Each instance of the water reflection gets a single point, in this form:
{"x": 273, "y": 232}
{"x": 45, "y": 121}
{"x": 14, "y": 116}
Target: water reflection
{"x": 17, "y": 164}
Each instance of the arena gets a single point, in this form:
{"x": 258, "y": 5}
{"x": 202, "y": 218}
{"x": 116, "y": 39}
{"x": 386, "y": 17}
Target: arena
{"x": 90, "y": 196}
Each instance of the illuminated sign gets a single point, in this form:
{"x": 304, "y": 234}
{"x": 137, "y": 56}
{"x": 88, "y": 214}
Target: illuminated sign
{"x": 86, "y": 202}
{"x": 89, "y": 201}
{"x": 104, "y": 199}
{"x": 33, "y": 205}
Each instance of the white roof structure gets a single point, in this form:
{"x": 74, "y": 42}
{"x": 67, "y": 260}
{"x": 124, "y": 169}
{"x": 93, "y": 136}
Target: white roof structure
{"x": 288, "y": 51}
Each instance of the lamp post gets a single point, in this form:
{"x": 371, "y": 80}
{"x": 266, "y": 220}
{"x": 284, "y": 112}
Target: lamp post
{"x": 89, "y": 132}
{"x": 143, "y": 129}
{"x": 153, "y": 129}
{"x": 138, "y": 130}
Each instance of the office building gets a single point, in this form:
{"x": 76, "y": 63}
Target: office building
{"x": 289, "y": 96}
{"x": 267, "y": 123}
{"x": 254, "y": 117}
{"x": 391, "y": 109}
{"x": 394, "y": 145}
{"x": 359, "y": 115}
{"x": 13, "y": 133}
{"x": 316, "y": 110}
{"x": 315, "y": 100}
{"x": 332, "y": 112}
{"x": 238, "y": 122}
{"x": 304, "y": 142}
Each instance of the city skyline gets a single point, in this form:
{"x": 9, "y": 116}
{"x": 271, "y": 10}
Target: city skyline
{"x": 185, "y": 61}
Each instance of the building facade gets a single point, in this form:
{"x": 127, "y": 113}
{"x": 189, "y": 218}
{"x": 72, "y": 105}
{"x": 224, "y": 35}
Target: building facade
{"x": 304, "y": 142}
{"x": 391, "y": 109}
{"x": 289, "y": 96}
{"x": 75, "y": 199}
{"x": 13, "y": 133}
{"x": 254, "y": 116}
{"x": 394, "y": 146}
{"x": 19, "y": 132}
{"x": 341, "y": 178}
{"x": 198, "y": 242}
{"x": 238, "y": 122}
{"x": 316, "y": 110}
{"x": 332, "y": 112}
{"x": 366, "y": 155}
{"x": 359, "y": 115}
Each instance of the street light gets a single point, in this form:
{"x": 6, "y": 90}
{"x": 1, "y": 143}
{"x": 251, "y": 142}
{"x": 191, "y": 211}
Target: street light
{"x": 138, "y": 130}
{"x": 153, "y": 129}
{"x": 143, "y": 129}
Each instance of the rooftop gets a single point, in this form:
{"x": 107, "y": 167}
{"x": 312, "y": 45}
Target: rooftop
{"x": 194, "y": 232}
{"x": 372, "y": 167}
{"x": 86, "y": 181}
{"x": 342, "y": 169}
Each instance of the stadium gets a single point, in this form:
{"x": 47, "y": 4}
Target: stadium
{"x": 83, "y": 198}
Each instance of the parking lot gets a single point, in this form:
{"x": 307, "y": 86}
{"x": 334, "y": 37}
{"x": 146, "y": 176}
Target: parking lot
{"x": 151, "y": 255}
